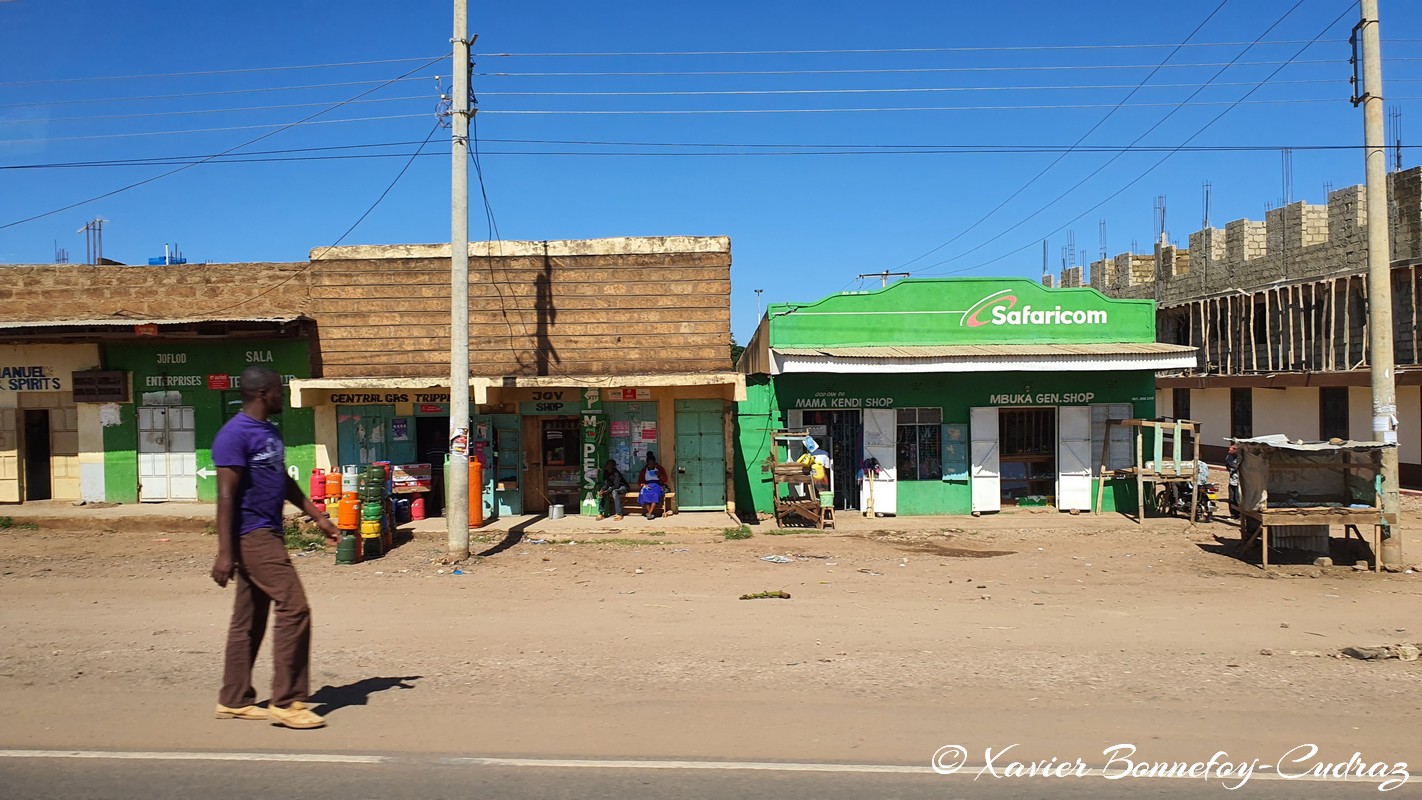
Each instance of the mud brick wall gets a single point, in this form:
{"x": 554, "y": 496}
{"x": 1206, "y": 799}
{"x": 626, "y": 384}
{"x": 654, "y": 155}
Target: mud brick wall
{"x": 576, "y": 308}
{"x": 47, "y": 292}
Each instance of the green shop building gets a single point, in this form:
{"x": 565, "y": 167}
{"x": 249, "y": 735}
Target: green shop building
{"x": 158, "y": 445}
{"x": 953, "y": 396}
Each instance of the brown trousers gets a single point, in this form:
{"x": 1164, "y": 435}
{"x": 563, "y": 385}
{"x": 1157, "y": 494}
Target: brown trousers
{"x": 265, "y": 574}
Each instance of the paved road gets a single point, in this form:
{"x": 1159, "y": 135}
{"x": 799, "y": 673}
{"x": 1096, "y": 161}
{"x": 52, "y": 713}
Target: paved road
{"x": 185, "y": 776}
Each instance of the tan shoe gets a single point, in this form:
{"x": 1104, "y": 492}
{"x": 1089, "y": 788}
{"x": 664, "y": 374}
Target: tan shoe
{"x": 245, "y": 712}
{"x": 296, "y": 715}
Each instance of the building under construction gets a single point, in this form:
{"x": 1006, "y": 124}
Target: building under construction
{"x": 1279, "y": 312}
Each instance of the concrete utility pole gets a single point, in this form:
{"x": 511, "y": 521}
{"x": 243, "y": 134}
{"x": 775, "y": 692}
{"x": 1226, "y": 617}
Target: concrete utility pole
{"x": 456, "y": 511}
{"x": 1379, "y": 273}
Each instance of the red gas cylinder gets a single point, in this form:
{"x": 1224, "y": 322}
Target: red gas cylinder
{"x": 318, "y": 484}
{"x": 417, "y": 507}
{"x": 320, "y": 506}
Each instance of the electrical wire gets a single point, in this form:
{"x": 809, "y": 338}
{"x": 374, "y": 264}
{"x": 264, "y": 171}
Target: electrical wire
{"x": 184, "y": 167}
{"x": 1140, "y": 177}
{"x": 1139, "y": 138}
{"x": 899, "y": 71}
{"x": 342, "y": 237}
{"x": 897, "y": 109}
{"x": 979, "y": 49}
{"x": 189, "y": 112}
{"x": 242, "y": 70}
{"x": 283, "y": 126}
{"x": 185, "y": 95}
{"x": 908, "y": 90}
{"x": 1080, "y": 139}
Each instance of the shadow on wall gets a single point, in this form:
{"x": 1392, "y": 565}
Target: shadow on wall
{"x": 545, "y": 354}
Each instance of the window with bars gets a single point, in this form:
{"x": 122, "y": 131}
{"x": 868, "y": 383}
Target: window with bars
{"x": 920, "y": 444}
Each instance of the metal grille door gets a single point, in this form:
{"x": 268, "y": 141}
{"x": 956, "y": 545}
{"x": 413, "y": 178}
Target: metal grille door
{"x": 167, "y": 453}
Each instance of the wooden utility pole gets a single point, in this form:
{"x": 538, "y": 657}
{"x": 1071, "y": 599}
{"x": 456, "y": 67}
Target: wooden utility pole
{"x": 1379, "y": 272}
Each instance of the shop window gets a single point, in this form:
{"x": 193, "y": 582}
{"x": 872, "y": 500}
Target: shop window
{"x": 1333, "y": 412}
{"x": 1180, "y": 403}
{"x": 1241, "y": 413}
{"x": 1121, "y": 453}
{"x": 920, "y": 444}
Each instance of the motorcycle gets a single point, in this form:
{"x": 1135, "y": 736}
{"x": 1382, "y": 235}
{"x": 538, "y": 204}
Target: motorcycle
{"x": 1174, "y": 500}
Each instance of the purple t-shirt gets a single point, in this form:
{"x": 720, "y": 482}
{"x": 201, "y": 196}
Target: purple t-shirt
{"x": 255, "y": 447}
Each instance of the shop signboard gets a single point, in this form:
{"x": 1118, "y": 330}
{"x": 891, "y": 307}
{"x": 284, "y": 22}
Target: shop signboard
{"x": 101, "y": 386}
{"x": 950, "y": 311}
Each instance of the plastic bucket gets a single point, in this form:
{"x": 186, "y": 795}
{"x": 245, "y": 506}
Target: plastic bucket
{"x": 826, "y": 499}
{"x": 555, "y": 511}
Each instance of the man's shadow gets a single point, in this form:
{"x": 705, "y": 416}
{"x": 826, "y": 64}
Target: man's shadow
{"x": 513, "y": 538}
{"x": 333, "y": 698}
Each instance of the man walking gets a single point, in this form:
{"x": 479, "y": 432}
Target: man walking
{"x": 252, "y": 484}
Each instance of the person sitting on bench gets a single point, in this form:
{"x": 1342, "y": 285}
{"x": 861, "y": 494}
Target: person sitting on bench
{"x": 653, "y": 486}
{"x": 610, "y": 491}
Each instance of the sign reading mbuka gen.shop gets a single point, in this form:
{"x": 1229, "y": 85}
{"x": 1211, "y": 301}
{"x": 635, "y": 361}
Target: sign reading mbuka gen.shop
{"x": 1000, "y": 308}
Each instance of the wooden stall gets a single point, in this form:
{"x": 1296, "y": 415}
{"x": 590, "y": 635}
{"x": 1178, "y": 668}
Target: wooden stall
{"x": 1288, "y": 485}
{"x": 1169, "y": 441}
{"x": 795, "y": 491}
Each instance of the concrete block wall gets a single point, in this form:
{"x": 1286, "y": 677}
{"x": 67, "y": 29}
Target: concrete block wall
{"x": 1071, "y": 278}
{"x": 1299, "y": 240}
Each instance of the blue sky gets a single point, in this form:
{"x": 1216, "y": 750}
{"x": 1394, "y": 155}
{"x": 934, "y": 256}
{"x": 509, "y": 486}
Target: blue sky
{"x": 809, "y": 199}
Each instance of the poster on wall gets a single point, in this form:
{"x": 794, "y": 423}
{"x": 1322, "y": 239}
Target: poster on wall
{"x": 649, "y": 432}
{"x": 620, "y": 428}
{"x": 399, "y": 430}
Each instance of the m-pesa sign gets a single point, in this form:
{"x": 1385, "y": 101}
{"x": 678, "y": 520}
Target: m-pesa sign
{"x": 1000, "y": 308}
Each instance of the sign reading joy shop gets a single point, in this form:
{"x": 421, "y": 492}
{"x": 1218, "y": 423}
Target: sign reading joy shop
{"x": 1003, "y": 308}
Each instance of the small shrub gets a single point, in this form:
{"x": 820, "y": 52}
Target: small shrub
{"x": 301, "y": 536}
{"x": 732, "y": 534}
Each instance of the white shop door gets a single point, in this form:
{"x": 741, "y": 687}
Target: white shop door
{"x": 880, "y": 495}
{"x": 986, "y": 476}
{"x": 1074, "y": 458}
{"x": 167, "y": 453}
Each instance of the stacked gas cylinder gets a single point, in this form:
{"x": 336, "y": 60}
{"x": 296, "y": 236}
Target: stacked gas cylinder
{"x": 364, "y": 511}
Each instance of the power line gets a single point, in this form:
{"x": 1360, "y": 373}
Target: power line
{"x": 898, "y": 109}
{"x": 184, "y": 167}
{"x": 343, "y": 236}
{"x": 1148, "y": 171}
{"x": 873, "y": 150}
{"x": 906, "y": 90}
{"x": 979, "y": 49}
{"x": 427, "y": 62}
{"x": 1139, "y": 138}
{"x": 282, "y": 126}
{"x": 903, "y": 70}
{"x": 1080, "y": 139}
{"x": 185, "y": 95}
{"x": 240, "y": 109}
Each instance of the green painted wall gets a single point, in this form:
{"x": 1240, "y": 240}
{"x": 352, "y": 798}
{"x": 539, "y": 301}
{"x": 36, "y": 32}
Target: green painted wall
{"x": 756, "y": 416}
{"x": 185, "y": 367}
{"x": 767, "y": 403}
{"x": 962, "y": 311}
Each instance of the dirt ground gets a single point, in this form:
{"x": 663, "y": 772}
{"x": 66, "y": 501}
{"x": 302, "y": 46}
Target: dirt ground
{"x": 1063, "y": 634}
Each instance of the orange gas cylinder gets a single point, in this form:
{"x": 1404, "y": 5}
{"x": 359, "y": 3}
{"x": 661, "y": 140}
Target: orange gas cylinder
{"x": 348, "y": 513}
{"x": 333, "y": 486}
{"x": 318, "y": 484}
{"x": 476, "y": 493}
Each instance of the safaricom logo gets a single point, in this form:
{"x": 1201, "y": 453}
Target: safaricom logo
{"x": 1000, "y": 308}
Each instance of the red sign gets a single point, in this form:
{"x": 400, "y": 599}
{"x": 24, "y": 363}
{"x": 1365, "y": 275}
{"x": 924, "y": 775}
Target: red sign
{"x": 145, "y": 330}
{"x": 219, "y": 381}
{"x": 431, "y": 408}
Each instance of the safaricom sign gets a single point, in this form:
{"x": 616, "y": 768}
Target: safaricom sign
{"x": 1000, "y": 308}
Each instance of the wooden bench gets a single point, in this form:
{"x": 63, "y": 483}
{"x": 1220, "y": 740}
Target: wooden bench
{"x": 630, "y": 502}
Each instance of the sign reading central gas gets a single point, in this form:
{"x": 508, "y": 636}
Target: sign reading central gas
{"x": 1000, "y": 308}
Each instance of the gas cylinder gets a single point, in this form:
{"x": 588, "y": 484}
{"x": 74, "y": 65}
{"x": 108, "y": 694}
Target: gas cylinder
{"x": 349, "y": 478}
{"x": 370, "y": 511}
{"x": 371, "y": 546}
{"x": 417, "y": 507}
{"x": 476, "y": 493}
{"x": 348, "y": 550}
{"x": 370, "y": 527}
{"x": 348, "y": 512}
{"x": 320, "y": 507}
{"x": 318, "y": 484}
{"x": 402, "y": 510}
{"x": 333, "y": 486}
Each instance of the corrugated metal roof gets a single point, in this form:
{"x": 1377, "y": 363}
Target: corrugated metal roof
{"x": 112, "y": 322}
{"x": 990, "y": 350}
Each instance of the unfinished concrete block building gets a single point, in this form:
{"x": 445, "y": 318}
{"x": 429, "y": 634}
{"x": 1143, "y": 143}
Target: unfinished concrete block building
{"x": 1279, "y": 310}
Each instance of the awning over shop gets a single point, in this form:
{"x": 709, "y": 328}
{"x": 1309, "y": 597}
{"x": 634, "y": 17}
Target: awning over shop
{"x": 312, "y": 391}
{"x": 1102, "y": 356}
